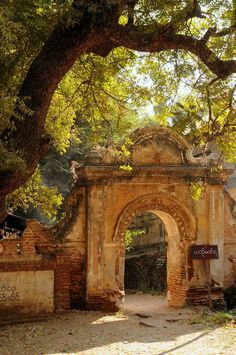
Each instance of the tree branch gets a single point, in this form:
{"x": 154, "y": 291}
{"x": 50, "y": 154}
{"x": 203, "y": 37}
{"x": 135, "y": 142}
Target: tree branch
{"x": 92, "y": 33}
{"x": 160, "y": 40}
{"x": 211, "y": 32}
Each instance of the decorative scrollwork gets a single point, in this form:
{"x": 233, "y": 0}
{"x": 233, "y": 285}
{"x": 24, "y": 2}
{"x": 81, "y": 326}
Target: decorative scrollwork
{"x": 163, "y": 204}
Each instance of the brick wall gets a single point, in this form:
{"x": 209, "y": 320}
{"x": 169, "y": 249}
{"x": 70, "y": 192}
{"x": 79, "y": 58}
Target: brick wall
{"x": 37, "y": 250}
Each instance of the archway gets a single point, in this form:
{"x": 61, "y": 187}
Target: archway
{"x": 145, "y": 277}
{"x": 180, "y": 233}
{"x": 162, "y": 172}
{"x": 145, "y": 255}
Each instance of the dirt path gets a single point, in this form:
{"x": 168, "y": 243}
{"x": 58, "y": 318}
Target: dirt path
{"x": 147, "y": 303}
{"x": 166, "y": 331}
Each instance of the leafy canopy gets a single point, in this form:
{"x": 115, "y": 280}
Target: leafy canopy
{"x": 126, "y": 89}
{"x": 36, "y": 194}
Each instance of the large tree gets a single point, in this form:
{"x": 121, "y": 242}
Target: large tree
{"x": 63, "y": 32}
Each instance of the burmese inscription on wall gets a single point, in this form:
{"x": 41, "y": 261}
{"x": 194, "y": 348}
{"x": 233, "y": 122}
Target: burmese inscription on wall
{"x": 27, "y": 292}
{"x": 8, "y": 293}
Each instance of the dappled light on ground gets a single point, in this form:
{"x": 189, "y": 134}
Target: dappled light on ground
{"x": 110, "y": 318}
{"x": 168, "y": 331}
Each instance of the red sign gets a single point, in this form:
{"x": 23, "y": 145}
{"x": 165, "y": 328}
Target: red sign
{"x": 204, "y": 252}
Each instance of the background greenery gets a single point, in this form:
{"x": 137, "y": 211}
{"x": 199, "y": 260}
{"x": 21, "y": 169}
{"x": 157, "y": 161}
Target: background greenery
{"x": 101, "y": 100}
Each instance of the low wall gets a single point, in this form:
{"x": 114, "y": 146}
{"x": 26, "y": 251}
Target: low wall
{"x": 39, "y": 275}
{"x": 27, "y": 292}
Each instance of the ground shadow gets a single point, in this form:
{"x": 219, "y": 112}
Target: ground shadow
{"x": 79, "y": 331}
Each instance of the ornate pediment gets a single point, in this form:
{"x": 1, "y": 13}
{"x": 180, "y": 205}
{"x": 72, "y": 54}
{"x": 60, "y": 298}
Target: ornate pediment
{"x": 149, "y": 146}
{"x": 160, "y": 145}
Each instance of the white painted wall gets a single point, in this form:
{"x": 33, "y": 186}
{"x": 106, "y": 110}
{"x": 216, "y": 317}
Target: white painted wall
{"x": 26, "y": 292}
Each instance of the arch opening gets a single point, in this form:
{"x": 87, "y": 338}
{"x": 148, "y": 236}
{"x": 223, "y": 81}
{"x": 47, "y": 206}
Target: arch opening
{"x": 180, "y": 232}
{"x": 145, "y": 255}
{"x": 154, "y": 259}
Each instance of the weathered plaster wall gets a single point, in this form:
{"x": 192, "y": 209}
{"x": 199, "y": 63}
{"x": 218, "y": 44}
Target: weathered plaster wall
{"x": 159, "y": 183}
{"x": 229, "y": 241}
{"x": 113, "y": 199}
{"x": 107, "y": 202}
{"x": 27, "y": 292}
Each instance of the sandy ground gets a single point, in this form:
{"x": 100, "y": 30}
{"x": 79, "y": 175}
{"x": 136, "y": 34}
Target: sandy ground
{"x": 164, "y": 331}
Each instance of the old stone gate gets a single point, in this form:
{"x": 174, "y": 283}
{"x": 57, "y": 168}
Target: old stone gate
{"x": 86, "y": 250}
{"x": 163, "y": 168}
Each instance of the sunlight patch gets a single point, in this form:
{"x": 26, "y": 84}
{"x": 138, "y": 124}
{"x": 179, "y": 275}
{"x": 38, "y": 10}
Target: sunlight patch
{"x": 107, "y": 319}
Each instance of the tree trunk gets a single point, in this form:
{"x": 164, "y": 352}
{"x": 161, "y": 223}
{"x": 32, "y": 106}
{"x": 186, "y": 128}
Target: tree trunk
{"x": 55, "y": 59}
{"x": 93, "y": 33}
